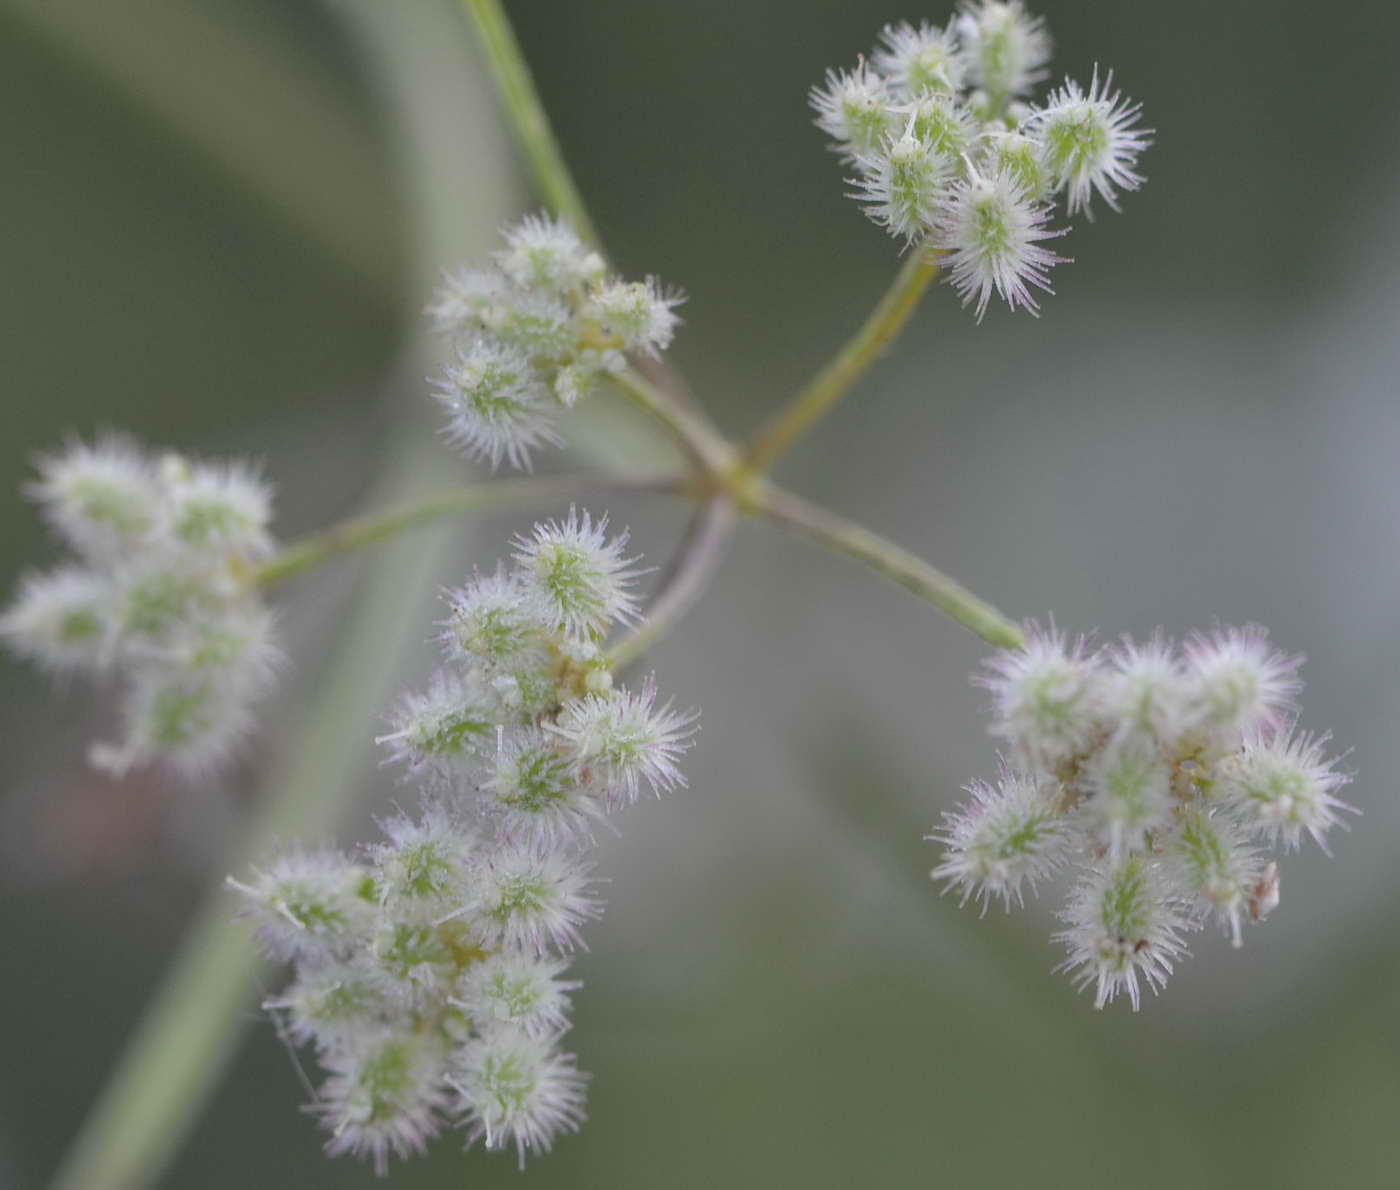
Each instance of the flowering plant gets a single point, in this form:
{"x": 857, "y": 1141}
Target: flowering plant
{"x": 430, "y": 968}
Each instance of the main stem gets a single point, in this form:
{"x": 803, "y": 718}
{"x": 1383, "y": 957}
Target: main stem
{"x": 827, "y": 387}
{"x": 527, "y": 115}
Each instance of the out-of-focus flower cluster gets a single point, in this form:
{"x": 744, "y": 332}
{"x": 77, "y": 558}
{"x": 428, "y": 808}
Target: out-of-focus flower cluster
{"x": 950, "y": 153}
{"x": 158, "y": 594}
{"x": 535, "y": 334}
{"x": 1161, "y": 775}
{"x": 431, "y": 968}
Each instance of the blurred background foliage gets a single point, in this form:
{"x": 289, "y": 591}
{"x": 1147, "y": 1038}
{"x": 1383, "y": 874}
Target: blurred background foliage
{"x": 207, "y": 227}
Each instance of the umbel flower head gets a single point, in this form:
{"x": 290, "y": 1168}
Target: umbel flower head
{"x": 534, "y": 335}
{"x": 158, "y": 595}
{"x": 431, "y": 968}
{"x": 953, "y": 158}
{"x": 1161, "y": 775}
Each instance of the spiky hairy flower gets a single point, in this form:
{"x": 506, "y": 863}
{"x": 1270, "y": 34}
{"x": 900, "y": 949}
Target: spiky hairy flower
{"x": 1284, "y": 785}
{"x": 1018, "y": 155}
{"x": 307, "y": 904}
{"x": 1089, "y": 142}
{"x": 218, "y": 508}
{"x": 624, "y": 739}
{"x": 333, "y": 1002}
{"x": 491, "y": 623}
{"x": 1006, "y": 48}
{"x": 519, "y": 1090}
{"x": 990, "y": 231}
{"x": 426, "y": 860}
{"x": 497, "y": 406}
{"x": 1218, "y": 865}
{"x": 467, "y": 300}
{"x": 940, "y": 122}
{"x": 1122, "y": 923}
{"x": 1045, "y": 697}
{"x": 920, "y": 59}
{"x": 1008, "y": 835}
{"x": 518, "y": 991}
{"x": 451, "y": 722}
{"x": 60, "y": 619}
{"x": 903, "y": 184}
{"x": 1158, "y": 765}
{"x": 1145, "y": 691}
{"x": 538, "y": 793}
{"x": 537, "y": 324}
{"x": 854, "y": 108}
{"x": 386, "y": 1094}
{"x": 1131, "y": 788}
{"x": 1238, "y": 682}
{"x": 638, "y": 313}
{"x": 103, "y": 499}
{"x": 547, "y": 253}
{"x": 529, "y": 898}
{"x": 576, "y": 578}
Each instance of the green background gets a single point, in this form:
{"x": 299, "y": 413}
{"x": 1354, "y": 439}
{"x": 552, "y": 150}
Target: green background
{"x": 208, "y": 238}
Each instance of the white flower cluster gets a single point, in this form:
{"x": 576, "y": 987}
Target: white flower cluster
{"x": 430, "y": 969}
{"x": 1159, "y": 772}
{"x": 158, "y": 594}
{"x": 949, "y": 152}
{"x": 535, "y": 334}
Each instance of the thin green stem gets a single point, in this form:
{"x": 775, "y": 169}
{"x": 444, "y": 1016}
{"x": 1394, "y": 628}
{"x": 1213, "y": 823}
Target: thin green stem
{"x": 516, "y": 88}
{"x": 695, "y": 564}
{"x": 842, "y": 536}
{"x": 827, "y": 387}
{"x": 361, "y": 531}
{"x": 707, "y": 448}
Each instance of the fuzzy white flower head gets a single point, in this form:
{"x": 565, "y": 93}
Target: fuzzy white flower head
{"x": 308, "y": 904}
{"x": 1006, "y": 48}
{"x": 60, "y": 619}
{"x": 1145, "y": 689}
{"x": 452, "y": 722}
{"x": 425, "y": 863}
{"x": 518, "y": 991}
{"x": 1213, "y": 860}
{"x": 623, "y": 739}
{"x": 104, "y": 499}
{"x": 916, "y": 60}
{"x": 217, "y": 508}
{"x": 990, "y": 231}
{"x": 1238, "y": 681}
{"x": 1284, "y": 785}
{"x": 577, "y": 579}
{"x": 332, "y": 1002}
{"x": 492, "y": 624}
{"x": 386, "y": 1094}
{"x": 497, "y": 406}
{"x": 1089, "y": 142}
{"x": 903, "y": 184}
{"x": 528, "y": 898}
{"x": 638, "y": 313}
{"x": 853, "y": 108}
{"x": 1131, "y": 794}
{"x": 537, "y": 793}
{"x": 942, "y": 122}
{"x": 547, "y": 253}
{"x": 1007, "y": 836}
{"x": 520, "y": 1090}
{"x": 1123, "y": 923}
{"x": 189, "y": 719}
{"x": 1018, "y": 154}
{"x": 466, "y": 300}
{"x": 537, "y": 324}
{"x": 1046, "y": 697}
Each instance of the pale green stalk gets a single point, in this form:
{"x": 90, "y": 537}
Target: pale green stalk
{"x": 827, "y": 387}
{"x": 369, "y": 530}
